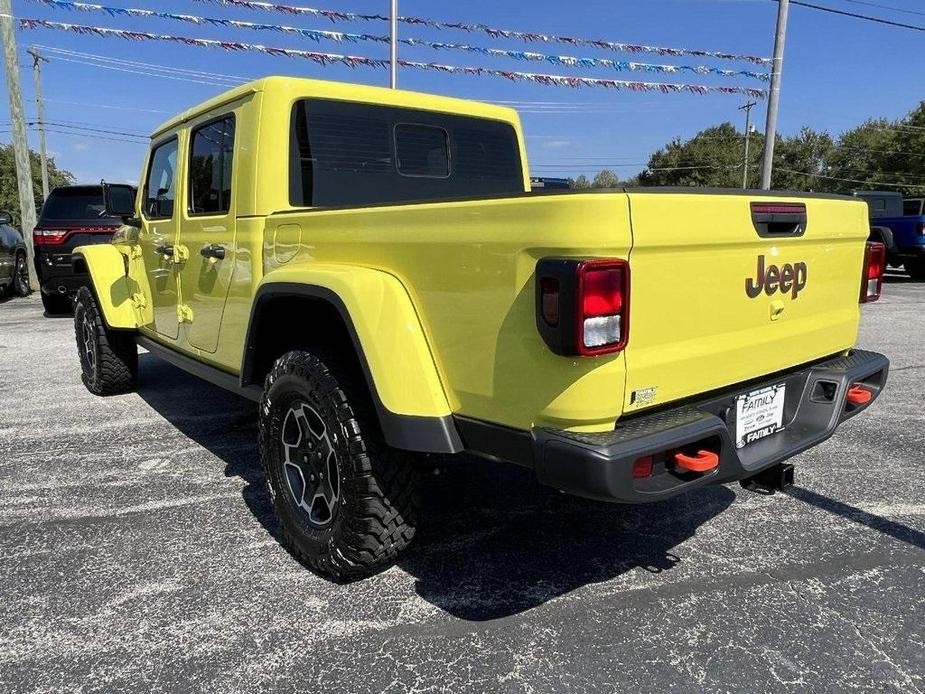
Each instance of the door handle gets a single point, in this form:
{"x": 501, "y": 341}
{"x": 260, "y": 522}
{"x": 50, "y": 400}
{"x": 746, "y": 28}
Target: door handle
{"x": 164, "y": 250}
{"x": 213, "y": 251}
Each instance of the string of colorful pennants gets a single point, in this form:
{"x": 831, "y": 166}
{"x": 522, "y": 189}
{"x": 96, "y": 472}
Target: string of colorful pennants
{"x": 528, "y": 36}
{"x": 341, "y": 37}
{"x": 355, "y": 61}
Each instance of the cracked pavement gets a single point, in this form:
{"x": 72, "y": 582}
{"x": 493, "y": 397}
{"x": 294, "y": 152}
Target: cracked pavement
{"x": 138, "y": 552}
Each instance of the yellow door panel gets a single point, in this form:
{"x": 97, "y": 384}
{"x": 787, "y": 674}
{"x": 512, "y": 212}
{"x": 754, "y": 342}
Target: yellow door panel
{"x": 207, "y": 231}
{"x": 153, "y": 265}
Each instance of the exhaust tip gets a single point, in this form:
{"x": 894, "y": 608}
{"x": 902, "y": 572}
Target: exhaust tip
{"x": 62, "y": 289}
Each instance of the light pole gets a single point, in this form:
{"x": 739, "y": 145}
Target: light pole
{"x": 748, "y": 131}
{"x": 37, "y": 60}
{"x": 20, "y": 140}
{"x": 393, "y": 44}
{"x": 770, "y": 133}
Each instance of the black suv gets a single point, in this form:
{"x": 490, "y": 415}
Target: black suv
{"x": 71, "y": 216}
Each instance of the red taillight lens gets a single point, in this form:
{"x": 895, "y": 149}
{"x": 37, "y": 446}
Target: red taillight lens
{"x": 49, "y": 237}
{"x": 602, "y": 316}
{"x": 922, "y": 228}
{"x": 874, "y": 265}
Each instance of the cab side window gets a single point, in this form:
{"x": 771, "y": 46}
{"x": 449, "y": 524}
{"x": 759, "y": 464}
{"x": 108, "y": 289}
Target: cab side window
{"x": 211, "y": 156}
{"x": 161, "y": 186}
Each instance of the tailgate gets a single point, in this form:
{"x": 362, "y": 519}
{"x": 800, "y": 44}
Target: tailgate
{"x": 707, "y": 305}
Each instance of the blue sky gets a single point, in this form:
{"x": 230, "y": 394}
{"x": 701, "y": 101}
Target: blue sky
{"x": 838, "y": 71}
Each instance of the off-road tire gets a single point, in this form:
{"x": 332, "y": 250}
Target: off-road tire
{"x": 108, "y": 359}
{"x": 375, "y": 512}
{"x": 57, "y": 304}
{"x": 21, "y": 276}
{"x": 916, "y": 269}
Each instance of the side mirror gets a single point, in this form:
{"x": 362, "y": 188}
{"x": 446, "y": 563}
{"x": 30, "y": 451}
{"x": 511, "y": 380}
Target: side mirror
{"x": 6, "y": 219}
{"x": 119, "y": 201}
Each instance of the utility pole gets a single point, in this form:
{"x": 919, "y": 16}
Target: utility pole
{"x": 20, "y": 141}
{"x": 770, "y": 133}
{"x": 37, "y": 60}
{"x": 748, "y": 131}
{"x": 393, "y": 44}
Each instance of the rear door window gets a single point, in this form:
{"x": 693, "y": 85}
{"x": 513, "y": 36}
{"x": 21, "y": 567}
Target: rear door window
{"x": 160, "y": 186}
{"x": 211, "y": 159}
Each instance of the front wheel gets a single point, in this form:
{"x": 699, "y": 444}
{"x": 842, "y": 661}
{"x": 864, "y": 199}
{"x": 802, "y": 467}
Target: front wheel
{"x": 108, "y": 359}
{"x": 345, "y": 502}
{"x": 21, "y": 276}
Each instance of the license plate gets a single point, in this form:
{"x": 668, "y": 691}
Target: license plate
{"x": 759, "y": 414}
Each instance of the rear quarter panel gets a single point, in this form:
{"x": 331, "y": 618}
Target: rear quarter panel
{"x": 468, "y": 268}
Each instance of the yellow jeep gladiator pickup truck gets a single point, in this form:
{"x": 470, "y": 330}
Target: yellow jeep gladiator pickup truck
{"x": 371, "y": 267}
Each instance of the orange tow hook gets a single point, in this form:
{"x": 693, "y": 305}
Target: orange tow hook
{"x": 859, "y": 395}
{"x": 704, "y": 461}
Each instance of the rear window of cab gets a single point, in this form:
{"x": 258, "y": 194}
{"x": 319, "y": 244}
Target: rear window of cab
{"x": 350, "y": 154}
{"x": 74, "y": 204}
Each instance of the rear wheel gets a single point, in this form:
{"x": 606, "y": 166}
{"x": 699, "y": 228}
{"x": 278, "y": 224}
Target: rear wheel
{"x": 108, "y": 359}
{"x": 21, "y": 276}
{"x": 345, "y": 501}
{"x": 916, "y": 269}
{"x": 56, "y": 304}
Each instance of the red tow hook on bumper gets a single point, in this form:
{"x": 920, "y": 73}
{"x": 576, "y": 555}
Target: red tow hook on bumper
{"x": 704, "y": 461}
{"x": 859, "y": 395}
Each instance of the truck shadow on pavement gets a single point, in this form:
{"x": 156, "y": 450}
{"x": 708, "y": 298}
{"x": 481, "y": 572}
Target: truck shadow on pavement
{"x": 492, "y": 542}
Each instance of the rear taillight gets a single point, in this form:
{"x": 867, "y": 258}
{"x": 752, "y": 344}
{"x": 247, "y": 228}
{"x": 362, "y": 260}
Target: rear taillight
{"x": 582, "y": 306}
{"x": 55, "y": 237}
{"x": 921, "y": 228}
{"x": 49, "y": 237}
{"x": 602, "y": 288}
{"x": 874, "y": 265}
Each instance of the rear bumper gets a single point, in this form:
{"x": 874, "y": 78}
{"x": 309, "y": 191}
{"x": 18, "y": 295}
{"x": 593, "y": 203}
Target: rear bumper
{"x": 600, "y": 466}
{"x": 58, "y": 274}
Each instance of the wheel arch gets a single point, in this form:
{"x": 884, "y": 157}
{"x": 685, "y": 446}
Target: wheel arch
{"x": 356, "y": 310}
{"x": 109, "y": 283}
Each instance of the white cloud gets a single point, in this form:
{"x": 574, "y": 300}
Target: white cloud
{"x": 558, "y": 143}
{"x": 81, "y": 146}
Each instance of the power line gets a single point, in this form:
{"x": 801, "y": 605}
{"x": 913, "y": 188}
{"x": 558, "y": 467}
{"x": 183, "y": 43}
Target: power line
{"x": 96, "y": 137}
{"x": 854, "y": 15}
{"x": 137, "y": 63}
{"x": 93, "y": 130}
{"x": 886, "y": 7}
{"x": 851, "y": 180}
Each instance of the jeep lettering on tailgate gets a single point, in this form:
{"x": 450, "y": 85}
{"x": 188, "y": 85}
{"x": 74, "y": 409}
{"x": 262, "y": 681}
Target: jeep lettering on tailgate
{"x": 788, "y": 278}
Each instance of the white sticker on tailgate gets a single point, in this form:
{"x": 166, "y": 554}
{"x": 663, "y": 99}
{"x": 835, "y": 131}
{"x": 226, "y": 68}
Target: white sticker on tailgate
{"x": 759, "y": 414}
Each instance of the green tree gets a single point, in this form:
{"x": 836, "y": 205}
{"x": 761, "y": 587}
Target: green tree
{"x": 713, "y": 157}
{"x": 9, "y": 193}
{"x": 606, "y": 179}
{"x": 580, "y": 183}
{"x": 881, "y": 153}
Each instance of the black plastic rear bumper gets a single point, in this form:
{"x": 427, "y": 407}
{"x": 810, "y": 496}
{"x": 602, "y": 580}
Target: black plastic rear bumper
{"x": 600, "y": 466}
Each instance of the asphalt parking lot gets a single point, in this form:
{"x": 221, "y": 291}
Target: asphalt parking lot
{"x": 137, "y": 552}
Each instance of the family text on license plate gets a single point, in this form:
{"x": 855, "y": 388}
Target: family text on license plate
{"x": 759, "y": 414}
